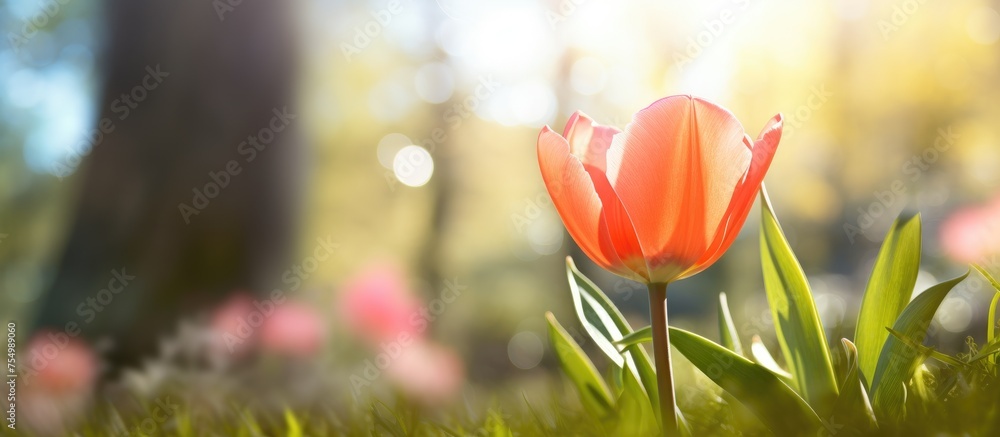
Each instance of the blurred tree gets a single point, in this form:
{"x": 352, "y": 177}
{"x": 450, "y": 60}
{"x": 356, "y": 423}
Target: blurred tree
{"x": 191, "y": 192}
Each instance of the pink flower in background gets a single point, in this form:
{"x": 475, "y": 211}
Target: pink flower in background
{"x": 62, "y": 364}
{"x": 230, "y": 332}
{"x": 293, "y": 329}
{"x": 428, "y": 373}
{"x": 971, "y": 234}
{"x": 60, "y": 383}
{"x": 377, "y": 305}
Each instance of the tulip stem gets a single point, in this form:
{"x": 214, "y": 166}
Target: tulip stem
{"x": 661, "y": 355}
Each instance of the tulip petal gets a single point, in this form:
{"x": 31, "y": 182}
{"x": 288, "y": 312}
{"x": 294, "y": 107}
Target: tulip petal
{"x": 746, "y": 191}
{"x": 620, "y": 228}
{"x": 589, "y": 141}
{"x": 675, "y": 169}
{"x": 576, "y": 199}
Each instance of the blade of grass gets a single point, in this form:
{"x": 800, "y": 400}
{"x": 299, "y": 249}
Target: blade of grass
{"x": 800, "y": 333}
{"x": 294, "y": 427}
{"x": 394, "y": 426}
{"x": 889, "y": 289}
{"x": 542, "y": 425}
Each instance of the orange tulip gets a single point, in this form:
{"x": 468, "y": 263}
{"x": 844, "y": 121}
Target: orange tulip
{"x": 664, "y": 199}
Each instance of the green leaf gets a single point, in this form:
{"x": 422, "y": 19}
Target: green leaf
{"x": 606, "y": 325}
{"x": 643, "y": 335}
{"x": 635, "y": 414}
{"x": 777, "y": 406}
{"x": 728, "y": 335}
{"x": 800, "y": 333}
{"x": 991, "y": 319}
{"x": 638, "y": 358}
{"x": 763, "y": 357}
{"x": 852, "y": 404}
{"x": 594, "y": 393}
{"x": 596, "y": 320}
{"x": 988, "y": 276}
{"x": 897, "y": 361}
{"x": 889, "y": 289}
{"x": 926, "y": 351}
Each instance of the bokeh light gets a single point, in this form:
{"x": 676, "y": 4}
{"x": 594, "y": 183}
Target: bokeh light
{"x": 413, "y": 166}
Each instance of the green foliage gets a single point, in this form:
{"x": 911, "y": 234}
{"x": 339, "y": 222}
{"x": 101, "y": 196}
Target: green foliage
{"x": 594, "y": 392}
{"x": 728, "y": 336}
{"x": 606, "y": 326}
{"x": 635, "y": 413}
{"x": 897, "y": 361}
{"x": 763, "y": 357}
{"x": 294, "y": 428}
{"x": 800, "y": 333}
{"x": 954, "y": 396}
{"x": 852, "y": 404}
{"x": 809, "y": 398}
{"x": 991, "y": 318}
{"x": 773, "y": 402}
{"x": 642, "y": 335}
{"x": 889, "y": 289}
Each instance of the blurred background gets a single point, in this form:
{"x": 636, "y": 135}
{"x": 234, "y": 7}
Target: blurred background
{"x": 390, "y": 146}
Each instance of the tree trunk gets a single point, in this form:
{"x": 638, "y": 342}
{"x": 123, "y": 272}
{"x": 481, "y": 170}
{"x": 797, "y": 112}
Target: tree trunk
{"x": 224, "y": 73}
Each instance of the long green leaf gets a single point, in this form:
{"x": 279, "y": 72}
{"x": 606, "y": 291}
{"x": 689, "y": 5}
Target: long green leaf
{"x": 897, "y": 362}
{"x": 606, "y": 325}
{"x": 800, "y": 333}
{"x": 763, "y": 357}
{"x": 776, "y": 405}
{"x": 597, "y": 321}
{"x": 852, "y": 404}
{"x": 889, "y": 289}
{"x": 728, "y": 336}
{"x": 594, "y": 393}
{"x": 643, "y": 335}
